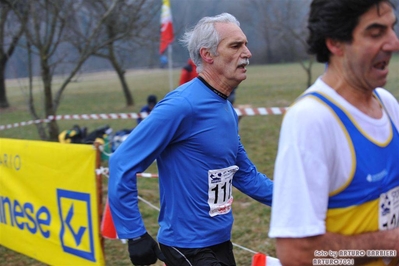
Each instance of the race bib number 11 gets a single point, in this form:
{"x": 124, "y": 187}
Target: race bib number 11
{"x": 220, "y": 184}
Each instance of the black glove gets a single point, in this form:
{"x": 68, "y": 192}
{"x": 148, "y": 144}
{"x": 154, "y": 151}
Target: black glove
{"x": 144, "y": 250}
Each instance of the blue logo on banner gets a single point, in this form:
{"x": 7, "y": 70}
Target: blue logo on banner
{"x": 76, "y": 233}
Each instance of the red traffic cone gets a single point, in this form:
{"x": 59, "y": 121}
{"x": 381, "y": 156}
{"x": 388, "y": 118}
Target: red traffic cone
{"x": 260, "y": 259}
{"x": 107, "y": 225}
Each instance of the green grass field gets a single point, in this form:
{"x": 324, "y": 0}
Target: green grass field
{"x": 266, "y": 86}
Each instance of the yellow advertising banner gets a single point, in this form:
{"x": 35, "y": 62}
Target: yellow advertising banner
{"x": 48, "y": 202}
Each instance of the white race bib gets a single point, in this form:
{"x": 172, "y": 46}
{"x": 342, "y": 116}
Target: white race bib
{"x": 389, "y": 209}
{"x": 220, "y": 194}
{"x": 388, "y": 217}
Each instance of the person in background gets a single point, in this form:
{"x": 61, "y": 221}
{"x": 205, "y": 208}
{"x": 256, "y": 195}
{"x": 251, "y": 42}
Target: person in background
{"x": 337, "y": 167}
{"x": 188, "y": 72}
{"x": 232, "y": 99}
{"x": 151, "y": 102}
{"x": 232, "y": 96}
{"x": 193, "y": 135}
{"x": 163, "y": 61}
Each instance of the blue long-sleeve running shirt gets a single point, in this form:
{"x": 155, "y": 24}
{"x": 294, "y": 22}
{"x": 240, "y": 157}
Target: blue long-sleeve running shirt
{"x": 193, "y": 135}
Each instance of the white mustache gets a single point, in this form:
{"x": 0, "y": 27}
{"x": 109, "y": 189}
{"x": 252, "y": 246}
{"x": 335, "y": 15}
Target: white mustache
{"x": 244, "y": 61}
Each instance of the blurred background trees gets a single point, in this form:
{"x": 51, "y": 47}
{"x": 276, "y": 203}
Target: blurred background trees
{"x": 63, "y": 39}
{"x": 57, "y": 37}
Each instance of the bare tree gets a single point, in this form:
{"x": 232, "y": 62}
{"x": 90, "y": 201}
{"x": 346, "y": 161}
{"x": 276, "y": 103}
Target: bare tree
{"x": 54, "y": 25}
{"x": 285, "y": 31}
{"x": 292, "y": 23}
{"x": 126, "y": 25}
{"x": 11, "y": 30}
{"x": 263, "y": 15}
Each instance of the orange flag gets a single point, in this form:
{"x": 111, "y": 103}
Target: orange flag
{"x": 107, "y": 224}
{"x": 167, "y": 34}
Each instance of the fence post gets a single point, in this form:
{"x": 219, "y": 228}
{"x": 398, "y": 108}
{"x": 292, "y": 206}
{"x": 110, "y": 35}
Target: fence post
{"x": 99, "y": 192}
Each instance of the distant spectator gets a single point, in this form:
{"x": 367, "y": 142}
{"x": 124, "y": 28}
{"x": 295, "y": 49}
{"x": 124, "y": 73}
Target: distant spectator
{"x": 163, "y": 61}
{"x": 232, "y": 99}
{"x": 151, "y": 102}
{"x": 232, "y": 96}
{"x": 188, "y": 72}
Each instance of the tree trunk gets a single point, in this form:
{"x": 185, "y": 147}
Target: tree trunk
{"x": 125, "y": 87}
{"x": 121, "y": 75}
{"x": 40, "y": 126}
{"x": 52, "y": 125}
{"x": 3, "y": 96}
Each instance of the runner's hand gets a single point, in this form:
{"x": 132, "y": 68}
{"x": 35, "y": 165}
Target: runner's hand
{"x": 144, "y": 250}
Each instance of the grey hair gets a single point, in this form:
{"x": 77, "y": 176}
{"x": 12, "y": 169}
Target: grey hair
{"x": 204, "y": 35}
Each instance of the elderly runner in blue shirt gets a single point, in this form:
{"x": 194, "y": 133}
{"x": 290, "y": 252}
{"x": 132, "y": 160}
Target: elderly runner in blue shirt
{"x": 193, "y": 135}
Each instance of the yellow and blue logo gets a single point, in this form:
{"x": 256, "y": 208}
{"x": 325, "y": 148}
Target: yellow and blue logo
{"x": 76, "y": 234}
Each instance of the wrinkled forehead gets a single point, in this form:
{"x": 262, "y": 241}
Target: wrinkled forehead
{"x": 230, "y": 32}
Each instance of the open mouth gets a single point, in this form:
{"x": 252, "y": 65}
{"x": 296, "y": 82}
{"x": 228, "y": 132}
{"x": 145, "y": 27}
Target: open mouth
{"x": 381, "y": 65}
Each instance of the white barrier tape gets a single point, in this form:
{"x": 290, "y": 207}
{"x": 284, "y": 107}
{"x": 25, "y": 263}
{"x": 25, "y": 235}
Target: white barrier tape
{"x": 149, "y": 203}
{"x": 239, "y": 111}
{"x": 147, "y": 175}
{"x": 244, "y": 248}
{"x": 14, "y": 125}
{"x": 105, "y": 171}
{"x": 102, "y": 171}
